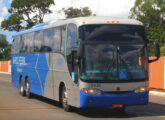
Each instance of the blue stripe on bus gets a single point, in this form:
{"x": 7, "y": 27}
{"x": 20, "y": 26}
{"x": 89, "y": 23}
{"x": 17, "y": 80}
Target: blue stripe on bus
{"x": 36, "y": 72}
{"x": 106, "y": 99}
{"x": 42, "y": 68}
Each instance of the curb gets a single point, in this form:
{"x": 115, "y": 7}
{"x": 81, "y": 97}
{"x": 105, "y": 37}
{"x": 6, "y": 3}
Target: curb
{"x": 5, "y": 73}
{"x": 157, "y": 93}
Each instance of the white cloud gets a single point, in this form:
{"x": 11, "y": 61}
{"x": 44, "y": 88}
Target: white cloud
{"x": 113, "y": 8}
{"x": 3, "y": 12}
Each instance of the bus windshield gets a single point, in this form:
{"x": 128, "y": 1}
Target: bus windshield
{"x": 107, "y": 62}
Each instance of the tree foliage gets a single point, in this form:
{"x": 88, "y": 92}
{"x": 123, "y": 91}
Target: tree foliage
{"x": 5, "y": 48}
{"x": 76, "y": 12}
{"x": 30, "y": 11}
{"x": 13, "y": 23}
{"x": 3, "y": 42}
{"x": 162, "y": 49}
{"x": 150, "y": 13}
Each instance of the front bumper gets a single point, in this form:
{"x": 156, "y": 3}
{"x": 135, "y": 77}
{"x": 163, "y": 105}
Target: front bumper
{"x": 107, "y": 99}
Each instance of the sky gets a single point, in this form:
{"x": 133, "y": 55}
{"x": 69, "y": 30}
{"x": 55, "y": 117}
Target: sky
{"x": 112, "y": 8}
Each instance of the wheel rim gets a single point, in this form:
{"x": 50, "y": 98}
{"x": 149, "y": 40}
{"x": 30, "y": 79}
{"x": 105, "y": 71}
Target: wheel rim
{"x": 27, "y": 87}
{"x": 21, "y": 87}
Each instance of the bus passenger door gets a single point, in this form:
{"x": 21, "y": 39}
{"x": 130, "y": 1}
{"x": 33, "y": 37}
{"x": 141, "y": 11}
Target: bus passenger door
{"x": 71, "y": 52}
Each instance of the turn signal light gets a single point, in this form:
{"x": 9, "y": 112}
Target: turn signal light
{"x": 91, "y": 90}
{"x": 142, "y": 89}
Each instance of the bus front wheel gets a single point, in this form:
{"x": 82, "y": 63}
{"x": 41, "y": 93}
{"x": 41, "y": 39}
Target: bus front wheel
{"x": 64, "y": 100}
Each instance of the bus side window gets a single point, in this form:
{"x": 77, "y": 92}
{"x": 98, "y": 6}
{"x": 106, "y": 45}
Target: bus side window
{"x": 63, "y": 38}
{"x": 31, "y": 42}
{"x": 47, "y": 45}
{"x": 57, "y": 40}
{"x": 25, "y": 43}
{"x": 21, "y": 44}
{"x": 38, "y": 39}
{"x": 17, "y": 44}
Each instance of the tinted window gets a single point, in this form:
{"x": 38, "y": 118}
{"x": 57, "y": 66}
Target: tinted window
{"x": 30, "y": 37}
{"x": 48, "y": 40}
{"x": 57, "y": 40}
{"x": 16, "y": 44}
{"x": 63, "y": 34}
{"x": 71, "y": 38}
{"x": 24, "y": 47}
{"x": 38, "y": 40}
{"x": 113, "y": 33}
{"x": 21, "y": 44}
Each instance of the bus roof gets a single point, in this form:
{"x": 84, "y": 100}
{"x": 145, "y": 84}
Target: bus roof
{"x": 80, "y": 21}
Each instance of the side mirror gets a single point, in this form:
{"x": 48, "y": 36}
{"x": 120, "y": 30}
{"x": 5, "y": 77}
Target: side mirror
{"x": 156, "y": 49}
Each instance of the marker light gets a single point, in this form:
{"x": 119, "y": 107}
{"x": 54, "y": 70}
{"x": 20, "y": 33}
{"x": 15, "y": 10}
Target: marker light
{"x": 113, "y": 21}
{"x": 108, "y": 21}
{"x": 83, "y": 22}
{"x": 117, "y": 22}
{"x": 91, "y": 90}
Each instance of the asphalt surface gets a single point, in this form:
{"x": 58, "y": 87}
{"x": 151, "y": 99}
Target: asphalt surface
{"x": 15, "y": 107}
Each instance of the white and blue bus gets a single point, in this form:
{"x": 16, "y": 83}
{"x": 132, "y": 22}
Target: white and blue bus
{"x": 84, "y": 62}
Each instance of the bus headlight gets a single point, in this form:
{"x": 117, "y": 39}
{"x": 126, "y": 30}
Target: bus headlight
{"x": 91, "y": 90}
{"x": 142, "y": 89}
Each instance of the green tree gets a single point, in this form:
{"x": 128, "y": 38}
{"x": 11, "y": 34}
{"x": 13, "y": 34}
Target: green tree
{"x": 30, "y": 11}
{"x": 150, "y": 13}
{"x": 7, "y": 52}
{"x": 5, "y": 48}
{"x": 3, "y": 42}
{"x": 162, "y": 49}
{"x": 13, "y": 23}
{"x": 76, "y": 12}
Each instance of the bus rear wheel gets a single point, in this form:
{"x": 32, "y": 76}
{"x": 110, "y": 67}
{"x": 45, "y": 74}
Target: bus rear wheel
{"x": 22, "y": 90}
{"x": 27, "y": 89}
{"x": 64, "y": 100}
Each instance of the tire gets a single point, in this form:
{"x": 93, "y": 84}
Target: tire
{"x": 64, "y": 100}
{"x": 27, "y": 89}
{"x": 21, "y": 87}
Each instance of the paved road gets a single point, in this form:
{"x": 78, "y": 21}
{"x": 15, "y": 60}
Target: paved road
{"x": 15, "y": 107}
